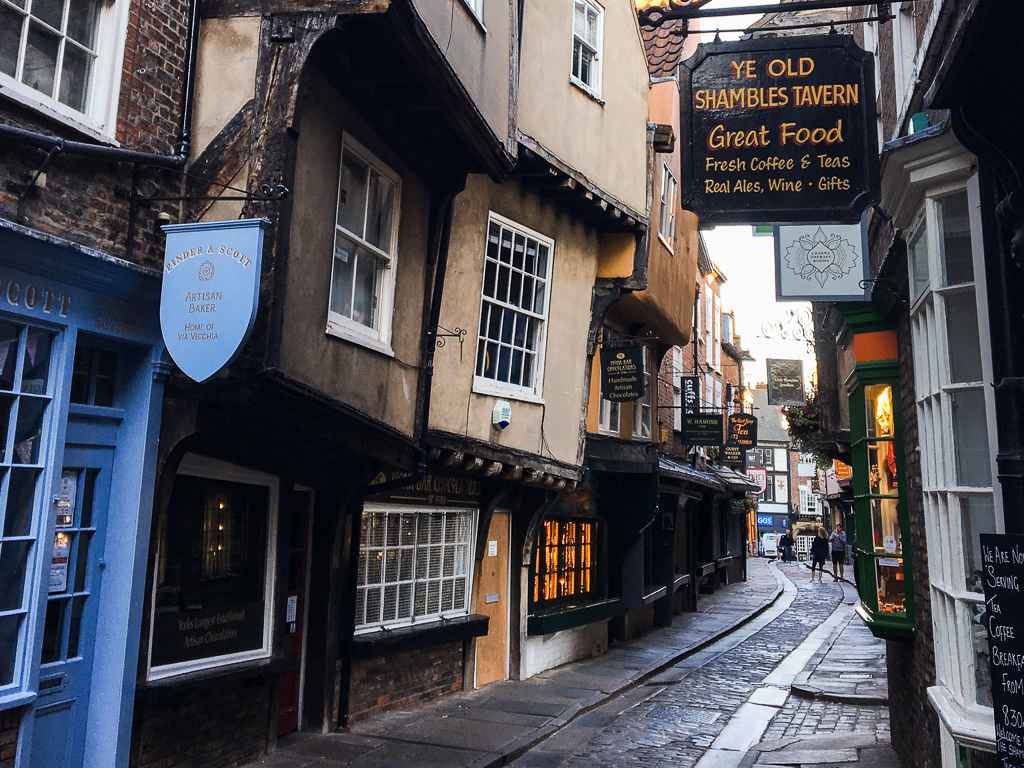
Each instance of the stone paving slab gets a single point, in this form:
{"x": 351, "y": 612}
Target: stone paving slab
{"x": 849, "y": 667}
{"x": 488, "y": 727}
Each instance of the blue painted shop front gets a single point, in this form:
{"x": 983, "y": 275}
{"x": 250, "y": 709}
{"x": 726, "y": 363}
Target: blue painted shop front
{"x": 81, "y": 389}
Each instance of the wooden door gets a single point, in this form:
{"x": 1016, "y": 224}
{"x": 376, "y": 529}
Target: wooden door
{"x": 492, "y": 601}
{"x": 293, "y": 611}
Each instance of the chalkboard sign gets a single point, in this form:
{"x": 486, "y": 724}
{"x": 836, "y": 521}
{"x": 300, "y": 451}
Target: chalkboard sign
{"x": 690, "y": 386}
{"x": 622, "y": 373}
{"x": 1002, "y": 558}
{"x": 742, "y": 430}
{"x": 702, "y": 429}
{"x": 785, "y": 382}
{"x": 780, "y": 130}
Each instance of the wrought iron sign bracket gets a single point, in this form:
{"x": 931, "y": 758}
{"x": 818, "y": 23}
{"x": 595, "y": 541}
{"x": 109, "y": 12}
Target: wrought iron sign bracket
{"x": 268, "y": 193}
{"x": 442, "y": 334}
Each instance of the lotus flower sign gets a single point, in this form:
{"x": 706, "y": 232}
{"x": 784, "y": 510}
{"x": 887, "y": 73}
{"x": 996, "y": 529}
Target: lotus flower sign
{"x": 821, "y": 262}
{"x": 210, "y": 292}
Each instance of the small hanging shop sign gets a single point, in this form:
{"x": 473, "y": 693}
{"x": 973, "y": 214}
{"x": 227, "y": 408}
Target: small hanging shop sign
{"x": 622, "y": 373}
{"x": 1002, "y": 558}
{"x": 690, "y": 388}
{"x": 742, "y": 430}
{"x": 760, "y": 477}
{"x": 210, "y": 292}
{"x": 780, "y": 130}
{"x": 785, "y": 382}
{"x": 702, "y": 429}
{"x": 821, "y": 262}
{"x": 733, "y": 456}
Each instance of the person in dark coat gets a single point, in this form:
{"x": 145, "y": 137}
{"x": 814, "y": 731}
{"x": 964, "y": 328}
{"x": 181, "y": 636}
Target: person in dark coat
{"x": 786, "y": 542}
{"x": 820, "y": 551}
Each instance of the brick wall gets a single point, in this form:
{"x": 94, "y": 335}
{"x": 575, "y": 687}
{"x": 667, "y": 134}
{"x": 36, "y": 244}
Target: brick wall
{"x": 86, "y": 201}
{"x": 911, "y": 664}
{"x": 219, "y": 724}
{"x": 9, "y": 722}
{"x": 405, "y": 678}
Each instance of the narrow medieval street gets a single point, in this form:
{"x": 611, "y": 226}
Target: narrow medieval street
{"x": 713, "y": 691}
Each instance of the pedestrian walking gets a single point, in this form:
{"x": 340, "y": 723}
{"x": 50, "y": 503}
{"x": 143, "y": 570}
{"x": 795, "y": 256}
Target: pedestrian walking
{"x": 837, "y": 543}
{"x": 819, "y": 553}
{"x": 786, "y": 542}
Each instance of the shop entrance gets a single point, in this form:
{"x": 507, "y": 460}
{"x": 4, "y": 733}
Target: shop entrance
{"x": 492, "y": 601}
{"x": 297, "y": 510}
{"x": 70, "y": 637}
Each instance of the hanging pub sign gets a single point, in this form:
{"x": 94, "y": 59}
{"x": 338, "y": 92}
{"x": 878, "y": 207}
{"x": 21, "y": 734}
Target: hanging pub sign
{"x": 785, "y": 382}
{"x": 622, "y": 373}
{"x": 759, "y": 476}
{"x": 1002, "y": 577}
{"x": 690, "y": 388}
{"x": 742, "y": 430}
{"x": 781, "y": 129}
{"x": 821, "y": 262}
{"x": 702, "y": 429}
{"x": 210, "y": 292}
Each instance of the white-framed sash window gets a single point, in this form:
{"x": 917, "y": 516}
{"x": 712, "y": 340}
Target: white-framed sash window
{"x": 587, "y": 39}
{"x": 63, "y": 58}
{"x": 957, "y": 433}
{"x": 642, "y": 407}
{"x": 214, "y": 609}
{"x": 365, "y": 249}
{"x": 514, "y": 299}
{"x": 415, "y": 565}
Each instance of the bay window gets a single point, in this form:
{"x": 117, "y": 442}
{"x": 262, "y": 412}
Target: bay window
{"x": 513, "y": 311}
{"x": 415, "y": 565}
{"x": 62, "y": 56}
{"x": 957, "y": 432}
{"x": 365, "y": 249}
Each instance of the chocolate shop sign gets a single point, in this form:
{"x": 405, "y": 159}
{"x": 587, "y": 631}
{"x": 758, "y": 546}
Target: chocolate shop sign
{"x": 781, "y": 130}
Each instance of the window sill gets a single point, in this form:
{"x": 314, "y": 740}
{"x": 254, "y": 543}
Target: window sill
{"x": 681, "y": 580}
{"x": 972, "y": 729}
{"x": 483, "y": 386}
{"x": 374, "y": 344}
{"x": 264, "y": 666}
{"x": 16, "y": 93}
{"x": 587, "y": 91}
{"x": 655, "y": 595}
{"x": 17, "y": 699}
{"x": 419, "y": 635}
{"x": 568, "y": 618}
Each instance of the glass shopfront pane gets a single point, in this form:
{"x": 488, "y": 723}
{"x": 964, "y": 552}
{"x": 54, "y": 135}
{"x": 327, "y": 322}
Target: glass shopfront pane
{"x": 210, "y": 601}
{"x": 955, "y": 224}
{"x": 962, "y": 335}
{"x": 979, "y": 645}
{"x": 979, "y": 516}
{"x": 879, "y": 416}
{"x": 889, "y": 581}
{"x": 883, "y": 477}
{"x": 970, "y": 438}
{"x": 885, "y": 526}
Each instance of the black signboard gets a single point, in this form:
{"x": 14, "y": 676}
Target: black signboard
{"x": 219, "y": 629}
{"x": 702, "y": 429}
{"x": 1002, "y": 559}
{"x": 622, "y": 373}
{"x": 780, "y": 130}
{"x": 742, "y": 430}
{"x": 785, "y": 382}
{"x": 733, "y": 456}
{"x": 690, "y": 387}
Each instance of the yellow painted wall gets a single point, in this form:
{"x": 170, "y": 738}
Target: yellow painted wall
{"x": 551, "y": 428}
{"x": 604, "y": 140}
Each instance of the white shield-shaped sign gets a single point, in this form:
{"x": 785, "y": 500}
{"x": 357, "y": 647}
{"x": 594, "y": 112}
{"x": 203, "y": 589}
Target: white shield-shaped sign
{"x": 210, "y": 292}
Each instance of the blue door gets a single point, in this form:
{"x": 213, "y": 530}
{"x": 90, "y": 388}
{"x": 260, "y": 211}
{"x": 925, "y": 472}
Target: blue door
{"x": 75, "y": 573}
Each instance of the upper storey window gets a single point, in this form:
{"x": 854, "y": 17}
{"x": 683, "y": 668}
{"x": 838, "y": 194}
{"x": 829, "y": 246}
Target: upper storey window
{"x": 587, "y": 34}
{"x": 60, "y": 56}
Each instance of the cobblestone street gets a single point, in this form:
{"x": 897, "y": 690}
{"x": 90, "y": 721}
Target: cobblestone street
{"x": 711, "y": 708}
